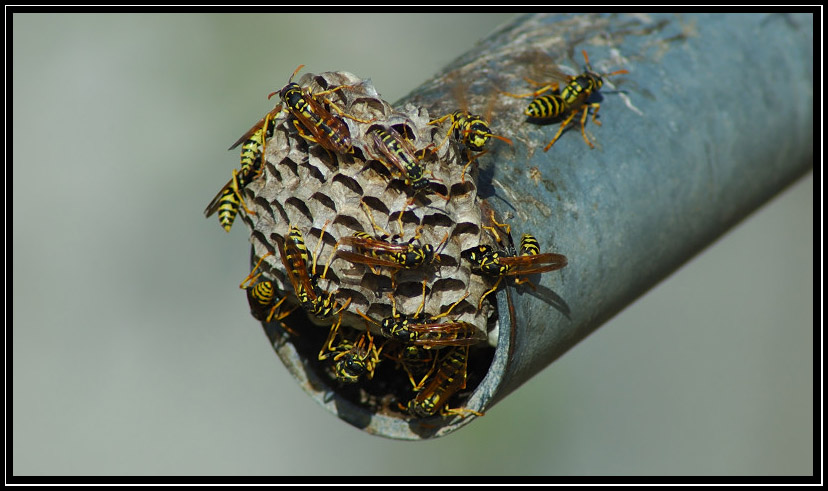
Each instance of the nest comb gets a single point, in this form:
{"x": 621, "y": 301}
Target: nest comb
{"x": 307, "y": 186}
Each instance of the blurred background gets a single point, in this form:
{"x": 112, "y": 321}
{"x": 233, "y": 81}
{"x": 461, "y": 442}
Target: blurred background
{"x": 133, "y": 348}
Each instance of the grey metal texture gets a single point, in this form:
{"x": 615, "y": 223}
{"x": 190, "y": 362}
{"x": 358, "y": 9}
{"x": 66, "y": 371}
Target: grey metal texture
{"x": 713, "y": 119}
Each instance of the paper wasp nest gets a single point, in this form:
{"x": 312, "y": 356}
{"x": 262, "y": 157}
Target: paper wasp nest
{"x": 306, "y": 186}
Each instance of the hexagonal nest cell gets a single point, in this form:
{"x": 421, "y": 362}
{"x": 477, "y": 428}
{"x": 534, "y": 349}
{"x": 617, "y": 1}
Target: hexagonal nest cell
{"x": 329, "y": 196}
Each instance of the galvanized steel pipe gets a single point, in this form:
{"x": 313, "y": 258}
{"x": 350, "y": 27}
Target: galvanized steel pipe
{"x": 713, "y": 119}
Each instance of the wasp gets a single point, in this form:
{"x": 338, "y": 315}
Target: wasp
{"x": 471, "y": 130}
{"x": 572, "y": 99}
{"x": 449, "y": 378}
{"x": 310, "y": 114}
{"x": 398, "y": 152}
{"x": 352, "y": 360}
{"x": 373, "y": 252}
{"x": 421, "y": 329}
{"x": 229, "y": 197}
{"x": 262, "y": 297}
{"x": 506, "y": 261}
{"x": 295, "y": 257}
{"x": 378, "y": 252}
{"x": 418, "y": 362}
{"x": 255, "y": 142}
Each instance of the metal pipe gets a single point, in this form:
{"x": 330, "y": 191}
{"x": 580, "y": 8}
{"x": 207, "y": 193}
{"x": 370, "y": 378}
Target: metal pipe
{"x": 713, "y": 119}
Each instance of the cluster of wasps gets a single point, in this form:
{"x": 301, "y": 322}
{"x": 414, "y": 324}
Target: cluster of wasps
{"x": 432, "y": 350}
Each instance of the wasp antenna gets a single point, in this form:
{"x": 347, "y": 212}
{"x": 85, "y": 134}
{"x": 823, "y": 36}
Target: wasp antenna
{"x": 617, "y": 72}
{"x": 295, "y": 72}
{"x": 502, "y": 138}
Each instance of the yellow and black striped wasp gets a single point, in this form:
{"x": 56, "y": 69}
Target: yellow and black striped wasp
{"x": 572, "y": 99}
{"x": 352, "y": 359}
{"x": 399, "y": 153}
{"x": 255, "y": 141}
{"x": 420, "y": 329}
{"x": 375, "y": 252}
{"x": 262, "y": 297}
{"x": 418, "y": 362}
{"x": 229, "y": 197}
{"x": 504, "y": 262}
{"x": 295, "y": 257}
{"x": 449, "y": 378}
{"x": 310, "y": 114}
{"x": 472, "y": 131}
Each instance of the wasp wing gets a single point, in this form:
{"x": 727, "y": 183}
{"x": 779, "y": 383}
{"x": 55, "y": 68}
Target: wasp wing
{"x": 538, "y": 263}
{"x": 446, "y": 334}
{"x": 258, "y": 126}
{"x": 216, "y": 202}
{"x": 293, "y": 258}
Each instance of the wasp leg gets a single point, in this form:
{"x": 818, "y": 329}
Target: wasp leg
{"x": 335, "y": 107}
{"x": 447, "y": 312}
{"x": 463, "y": 412}
{"x": 560, "y": 131}
{"x": 318, "y": 247}
{"x": 583, "y": 123}
{"x": 371, "y": 218}
{"x": 470, "y": 160}
{"x": 327, "y": 346}
{"x": 282, "y": 315}
{"x": 238, "y": 191}
{"x": 330, "y": 258}
{"x": 309, "y": 138}
{"x": 506, "y": 227}
{"x": 454, "y": 125}
{"x": 251, "y": 277}
{"x": 480, "y": 303}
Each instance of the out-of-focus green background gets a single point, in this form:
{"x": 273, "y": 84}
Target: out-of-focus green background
{"x": 134, "y": 352}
